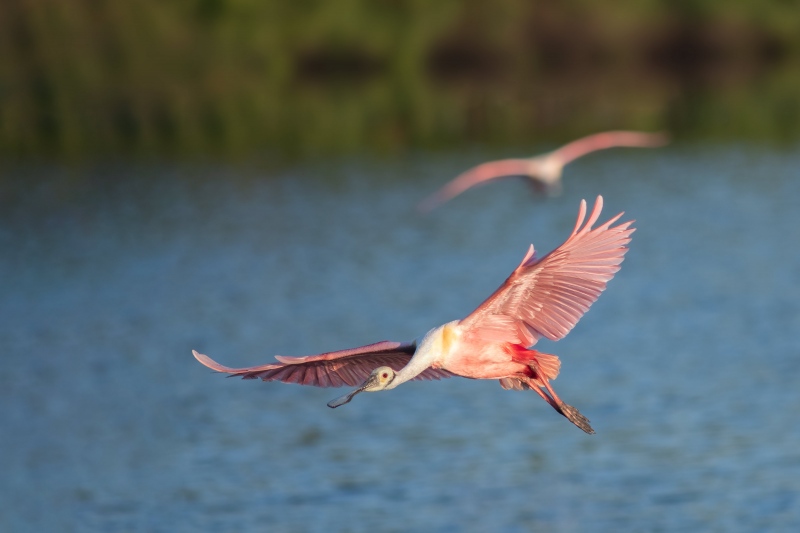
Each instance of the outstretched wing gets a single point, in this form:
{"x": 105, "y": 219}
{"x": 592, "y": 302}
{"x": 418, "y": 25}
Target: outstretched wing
{"x": 332, "y": 369}
{"x": 546, "y": 297}
{"x": 476, "y": 176}
{"x": 608, "y": 139}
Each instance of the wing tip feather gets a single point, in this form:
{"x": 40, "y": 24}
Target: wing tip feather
{"x": 210, "y": 363}
{"x": 581, "y": 216}
{"x": 529, "y": 256}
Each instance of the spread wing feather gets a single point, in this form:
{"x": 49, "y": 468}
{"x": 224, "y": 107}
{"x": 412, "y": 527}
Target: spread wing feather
{"x": 332, "y": 369}
{"x": 546, "y": 297}
{"x": 476, "y": 176}
{"x": 609, "y": 139}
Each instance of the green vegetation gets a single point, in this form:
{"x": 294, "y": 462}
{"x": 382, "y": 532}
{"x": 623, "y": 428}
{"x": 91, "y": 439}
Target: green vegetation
{"x": 88, "y": 78}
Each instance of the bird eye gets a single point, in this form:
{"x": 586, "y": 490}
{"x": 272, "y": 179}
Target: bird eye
{"x": 385, "y": 375}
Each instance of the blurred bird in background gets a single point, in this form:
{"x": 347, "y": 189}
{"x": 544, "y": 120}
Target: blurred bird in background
{"x": 542, "y": 171}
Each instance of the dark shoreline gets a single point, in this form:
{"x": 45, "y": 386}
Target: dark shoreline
{"x": 84, "y": 81}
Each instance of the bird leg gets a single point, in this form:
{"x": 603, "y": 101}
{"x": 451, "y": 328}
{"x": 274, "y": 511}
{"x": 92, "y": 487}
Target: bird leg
{"x": 569, "y": 412}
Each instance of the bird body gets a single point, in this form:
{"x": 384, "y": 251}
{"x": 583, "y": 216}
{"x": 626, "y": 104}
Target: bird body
{"x": 543, "y": 171}
{"x": 541, "y": 298}
{"x": 453, "y": 348}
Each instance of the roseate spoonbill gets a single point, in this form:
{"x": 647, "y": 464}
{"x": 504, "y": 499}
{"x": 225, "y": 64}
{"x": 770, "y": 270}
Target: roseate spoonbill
{"x": 541, "y": 298}
{"x": 543, "y": 171}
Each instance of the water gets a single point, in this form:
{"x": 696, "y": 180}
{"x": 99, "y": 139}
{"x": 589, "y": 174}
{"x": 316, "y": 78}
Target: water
{"x": 687, "y": 365}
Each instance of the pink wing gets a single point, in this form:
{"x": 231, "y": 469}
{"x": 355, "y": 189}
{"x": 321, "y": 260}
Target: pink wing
{"x": 608, "y": 139}
{"x": 547, "y": 297}
{"x": 332, "y": 369}
{"x": 476, "y": 176}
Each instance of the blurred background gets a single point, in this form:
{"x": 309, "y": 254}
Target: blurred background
{"x": 275, "y": 79}
{"x": 240, "y": 177}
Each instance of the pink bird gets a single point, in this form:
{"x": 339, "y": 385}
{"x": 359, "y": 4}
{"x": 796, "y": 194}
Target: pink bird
{"x": 543, "y": 171}
{"x": 541, "y": 298}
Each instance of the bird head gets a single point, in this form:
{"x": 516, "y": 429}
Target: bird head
{"x": 379, "y": 379}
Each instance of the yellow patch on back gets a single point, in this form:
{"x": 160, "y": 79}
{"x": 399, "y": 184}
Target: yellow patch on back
{"x": 448, "y": 336}
{"x": 446, "y": 340}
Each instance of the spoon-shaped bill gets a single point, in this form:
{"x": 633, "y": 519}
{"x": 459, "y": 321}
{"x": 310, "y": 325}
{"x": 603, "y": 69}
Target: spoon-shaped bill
{"x": 341, "y": 400}
{"x": 371, "y": 383}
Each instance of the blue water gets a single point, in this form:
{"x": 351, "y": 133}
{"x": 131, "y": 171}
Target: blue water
{"x": 687, "y": 365}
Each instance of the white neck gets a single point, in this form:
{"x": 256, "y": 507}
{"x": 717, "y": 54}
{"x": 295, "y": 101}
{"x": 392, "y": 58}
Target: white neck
{"x": 434, "y": 346}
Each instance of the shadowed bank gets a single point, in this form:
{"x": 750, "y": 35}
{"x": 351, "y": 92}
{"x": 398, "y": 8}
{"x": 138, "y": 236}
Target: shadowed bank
{"x": 284, "y": 79}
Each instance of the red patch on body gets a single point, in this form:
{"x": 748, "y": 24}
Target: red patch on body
{"x": 547, "y": 364}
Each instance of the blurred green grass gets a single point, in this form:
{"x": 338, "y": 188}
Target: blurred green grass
{"x": 234, "y": 78}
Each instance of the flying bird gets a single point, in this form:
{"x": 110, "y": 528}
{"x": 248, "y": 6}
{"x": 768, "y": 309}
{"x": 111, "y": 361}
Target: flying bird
{"x": 543, "y": 171}
{"x": 541, "y": 298}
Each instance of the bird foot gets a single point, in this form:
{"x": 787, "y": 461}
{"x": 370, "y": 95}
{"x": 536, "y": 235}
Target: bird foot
{"x": 574, "y": 416}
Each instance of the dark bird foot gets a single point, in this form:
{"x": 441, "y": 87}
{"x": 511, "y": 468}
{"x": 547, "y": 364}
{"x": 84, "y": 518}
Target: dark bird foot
{"x": 574, "y": 416}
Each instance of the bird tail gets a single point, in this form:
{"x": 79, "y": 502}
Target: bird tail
{"x": 548, "y": 365}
